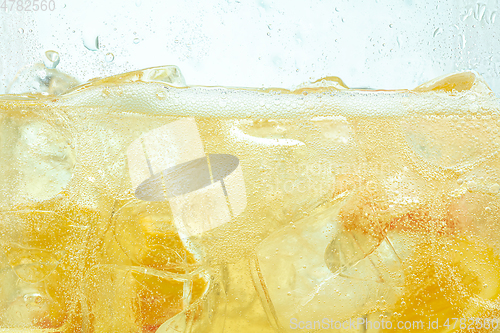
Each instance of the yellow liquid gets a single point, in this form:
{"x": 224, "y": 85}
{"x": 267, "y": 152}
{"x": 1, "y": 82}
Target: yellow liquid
{"x": 104, "y": 261}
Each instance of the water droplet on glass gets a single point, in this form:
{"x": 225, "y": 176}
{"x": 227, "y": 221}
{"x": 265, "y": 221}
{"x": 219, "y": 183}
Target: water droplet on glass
{"x": 52, "y": 59}
{"x": 467, "y": 14}
{"x": 436, "y": 32}
{"x": 390, "y": 25}
{"x": 110, "y": 57}
{"x": 462, "y": 41}
{"x": 91, "y": 41}
{"x": 479, "y": 13}
{"x": 493, "y": 17}
{"x": 21, "y": 30}
{"x": 136, "y": 40}
{"x": 138, "y": 3}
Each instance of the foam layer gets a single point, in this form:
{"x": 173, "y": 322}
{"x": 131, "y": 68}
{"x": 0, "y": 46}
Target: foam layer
{"x": 151, "y": 93}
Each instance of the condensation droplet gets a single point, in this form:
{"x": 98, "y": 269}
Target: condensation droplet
{"x": 136, "y": 40}
{"x": 479, "y": 13}
{"x": 21, "y": 30}
{"x": 91, "y": 41}
{"x": 436, "y": 32}
{"x": 495, "y": 188}
{"x": 138, "y": 3}
{"x": 467, "y": 14}
{"x": 110, "y": 57}
{"x": 52, "y": 59}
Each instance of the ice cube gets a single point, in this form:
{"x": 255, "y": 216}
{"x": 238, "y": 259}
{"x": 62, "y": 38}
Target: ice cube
{"x": 297, "y": 278}
{"x": 167, "y": 74}
{"x": 24, "y": 304}
{"x": 140, "y": 298}
{"x": 40, "y": 79}
{"x": 35, "y": 242}
{"x": 37, "y": 160}
{"x": 146, "y": 233}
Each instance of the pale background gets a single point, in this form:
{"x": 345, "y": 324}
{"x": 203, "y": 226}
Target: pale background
{"x": 376, "y": 44}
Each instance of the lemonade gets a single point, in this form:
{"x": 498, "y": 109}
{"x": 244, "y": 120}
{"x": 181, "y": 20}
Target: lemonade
{"x": 135, "y": 203}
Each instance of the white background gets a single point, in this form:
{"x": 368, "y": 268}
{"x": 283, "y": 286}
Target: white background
{"x": 377, "y": 44}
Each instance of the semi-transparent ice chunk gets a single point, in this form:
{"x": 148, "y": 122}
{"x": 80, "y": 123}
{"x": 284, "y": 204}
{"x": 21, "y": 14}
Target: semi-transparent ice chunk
{"x": 37, "y": 159}
{"x": 40, "y": 79}
{"x": 300, "y": 278}
{"x": 167, "y": 74}
{"x": 141, "y": 299}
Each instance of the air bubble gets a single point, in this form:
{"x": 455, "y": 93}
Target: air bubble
{"x": 52, "y": 59}
{"x": 31, "y": 299}
{"x": 472, "y": 185}
{"x": 161, "y": 94}
{"x": 110, "y": 57}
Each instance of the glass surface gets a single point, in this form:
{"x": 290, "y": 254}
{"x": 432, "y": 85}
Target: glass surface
{"x": 377, "y": 44}
{"x": 132, "y": 201}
